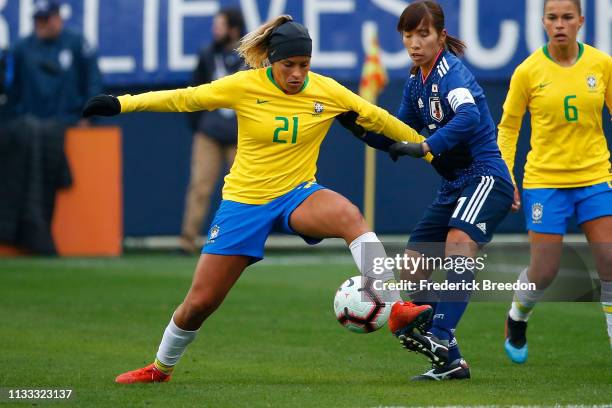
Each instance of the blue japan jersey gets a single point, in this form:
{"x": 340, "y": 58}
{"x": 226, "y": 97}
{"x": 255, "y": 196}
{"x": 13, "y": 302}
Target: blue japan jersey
{"x": 451, "y": 105}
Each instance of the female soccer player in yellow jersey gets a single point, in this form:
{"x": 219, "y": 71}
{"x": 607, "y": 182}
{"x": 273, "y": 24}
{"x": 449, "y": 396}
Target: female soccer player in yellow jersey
{"x": 284, "y": 112}
{"x": 563, "y": 85}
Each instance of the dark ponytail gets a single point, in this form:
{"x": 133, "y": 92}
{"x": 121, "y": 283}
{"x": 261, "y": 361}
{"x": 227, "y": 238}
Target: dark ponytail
{"x": 455, "y": 45}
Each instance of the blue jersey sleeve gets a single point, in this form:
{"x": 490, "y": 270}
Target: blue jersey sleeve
{"x": 406, "y": 112}
{"x": 457, "y": 89}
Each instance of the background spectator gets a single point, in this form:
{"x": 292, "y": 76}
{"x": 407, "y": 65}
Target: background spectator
{"x": 50, "y": 75}
{"x": 55, "y": 71}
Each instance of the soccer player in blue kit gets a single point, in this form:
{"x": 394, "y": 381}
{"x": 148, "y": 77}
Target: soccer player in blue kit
{"x": 443, "y": 96}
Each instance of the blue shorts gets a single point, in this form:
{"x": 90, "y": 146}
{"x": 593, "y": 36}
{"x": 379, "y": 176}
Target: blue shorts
{"x": 242, "y": 229}
{"x": 477, "y": 209}
{"x": 547, "y": 210}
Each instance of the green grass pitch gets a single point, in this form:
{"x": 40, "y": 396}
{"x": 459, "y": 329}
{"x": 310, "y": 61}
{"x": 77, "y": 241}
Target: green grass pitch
{"x": 77, "y": 323}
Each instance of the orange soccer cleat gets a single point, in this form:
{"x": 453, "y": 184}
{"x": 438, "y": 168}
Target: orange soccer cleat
{"x": 406, "y": 316}
{"x": 146, "y": 374}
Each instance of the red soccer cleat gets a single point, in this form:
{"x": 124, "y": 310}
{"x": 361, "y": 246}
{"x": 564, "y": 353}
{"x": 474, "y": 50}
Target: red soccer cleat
{"x": 146, "y": 374}
{"x": 406, "y": 316}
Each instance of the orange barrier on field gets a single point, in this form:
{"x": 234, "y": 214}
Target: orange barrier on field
{"x": 88, "y": 219}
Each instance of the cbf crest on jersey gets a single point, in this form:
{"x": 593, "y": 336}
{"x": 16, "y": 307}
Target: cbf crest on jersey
{"x": 591, "y": 82}
{"x": 435, "y": 109}
{"x": 214, "y": 233}
{"x": 318, "y": 108}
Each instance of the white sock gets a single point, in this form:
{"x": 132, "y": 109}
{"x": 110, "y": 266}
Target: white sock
{"x": 524, "y": 300}
{"x": 173, "y": 344}
{"x": 606, "y": 304}
{"x": 365, "y": 248}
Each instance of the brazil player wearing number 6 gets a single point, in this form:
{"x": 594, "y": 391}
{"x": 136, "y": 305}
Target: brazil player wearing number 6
{"x": 284, "y": 112}
{"x": 563, "y": 85}
{"x": 442, "y": 96}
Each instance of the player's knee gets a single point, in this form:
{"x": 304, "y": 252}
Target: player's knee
{"x": 348, "y": 217}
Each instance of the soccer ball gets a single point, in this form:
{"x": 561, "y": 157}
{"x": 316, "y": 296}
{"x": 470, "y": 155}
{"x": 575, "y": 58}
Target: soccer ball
{"x": 358, "y": 307}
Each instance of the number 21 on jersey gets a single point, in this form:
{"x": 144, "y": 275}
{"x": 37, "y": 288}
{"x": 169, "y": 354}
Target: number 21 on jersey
{"x": 283, "y": 127}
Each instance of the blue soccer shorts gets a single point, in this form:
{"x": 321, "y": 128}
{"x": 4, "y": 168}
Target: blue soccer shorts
{"x": 548, "y": 210}
{"x": 477, "y": 210}
{"x": 242, "y": 229}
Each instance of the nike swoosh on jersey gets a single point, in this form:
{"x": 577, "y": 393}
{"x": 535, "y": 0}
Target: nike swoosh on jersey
{"x": 259, "y": 101}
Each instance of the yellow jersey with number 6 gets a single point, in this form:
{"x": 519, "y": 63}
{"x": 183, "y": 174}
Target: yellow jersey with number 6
{"x": 279, "y": 135}
{"x": 568, "y": 146}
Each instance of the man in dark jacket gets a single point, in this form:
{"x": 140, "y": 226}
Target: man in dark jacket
{"x": 55, "y": 70}
{"x": 51, "y": 73}
{"x": 214, "y": 140}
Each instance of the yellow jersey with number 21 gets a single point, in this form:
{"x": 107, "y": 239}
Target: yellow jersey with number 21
{"x": 279, "y": 135}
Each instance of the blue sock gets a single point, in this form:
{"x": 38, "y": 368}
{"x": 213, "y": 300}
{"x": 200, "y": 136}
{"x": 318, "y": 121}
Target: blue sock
{"x": 453, "y": 350}
{"x": 452, "y": 303}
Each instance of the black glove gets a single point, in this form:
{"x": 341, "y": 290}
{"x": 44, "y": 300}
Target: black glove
{"x": 102, "y": 105}
{"x": 406, "y": 149}
{"x": 459, "y": 157}
{"x": 349, "y": 121}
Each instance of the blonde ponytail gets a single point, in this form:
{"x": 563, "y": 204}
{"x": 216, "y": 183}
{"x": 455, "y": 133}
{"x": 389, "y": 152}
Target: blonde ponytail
{"x": 254, "y": 46}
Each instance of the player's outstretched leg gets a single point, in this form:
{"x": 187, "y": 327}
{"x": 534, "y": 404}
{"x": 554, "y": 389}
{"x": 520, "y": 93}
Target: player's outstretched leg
{"x": 214, "y": 277}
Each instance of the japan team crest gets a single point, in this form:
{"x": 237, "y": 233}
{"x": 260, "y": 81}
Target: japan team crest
{"x": 537, "y": 211}
{"x": 435, "y": 109}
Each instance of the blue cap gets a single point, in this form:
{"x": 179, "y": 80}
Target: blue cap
{"x": 45, "y": 8}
